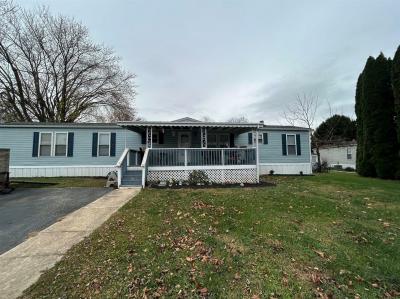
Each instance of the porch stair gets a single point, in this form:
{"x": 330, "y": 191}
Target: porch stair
{"x": 132, "y": 178}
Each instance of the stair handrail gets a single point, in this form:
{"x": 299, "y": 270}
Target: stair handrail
{"x": 144, "y": 166}
{"x": 119, "y": 165}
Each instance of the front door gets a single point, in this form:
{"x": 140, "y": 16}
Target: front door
{"x": 184, "y": 141}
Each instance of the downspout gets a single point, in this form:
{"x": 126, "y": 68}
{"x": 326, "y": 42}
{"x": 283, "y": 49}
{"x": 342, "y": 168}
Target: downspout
{"x": 257, "y": 158}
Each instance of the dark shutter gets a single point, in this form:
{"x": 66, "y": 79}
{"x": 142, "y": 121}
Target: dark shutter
{"x": 143, "y": 135}
{"x": 284, "y": 151}
{"x": 94, "y": 144}
{"x": 113, "y": 144}
{"x": 265, "y": 137}
{"x": 232, "y": 140}
{"x": 35, "y": 145}
{"x": 250, "y": 138}
{"x": 298, "y": 144}
{"x": 70, "y": 149}
{"x": 161, "y": 137}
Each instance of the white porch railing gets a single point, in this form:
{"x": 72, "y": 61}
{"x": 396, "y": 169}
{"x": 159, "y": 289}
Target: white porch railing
{"x": 167, "y": 157}
{"x": 122, "y": 165}
{"x": 144, "y": 167}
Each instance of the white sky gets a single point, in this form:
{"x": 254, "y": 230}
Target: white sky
{"x": 231, "y": 58}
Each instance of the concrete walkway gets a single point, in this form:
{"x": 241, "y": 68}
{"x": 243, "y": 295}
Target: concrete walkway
{"x": 21, "y": 266}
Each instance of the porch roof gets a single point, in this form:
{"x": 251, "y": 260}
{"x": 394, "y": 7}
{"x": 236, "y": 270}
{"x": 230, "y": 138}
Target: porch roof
{"x": 189, "y": 123}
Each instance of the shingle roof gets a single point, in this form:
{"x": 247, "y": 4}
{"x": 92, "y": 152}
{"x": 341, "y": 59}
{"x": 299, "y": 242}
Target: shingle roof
{"x": 58, "y": 125}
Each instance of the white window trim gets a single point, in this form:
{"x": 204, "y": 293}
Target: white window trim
{"x": 40, "y": 143}
{"x": 109, "y": 143}
{"x": 287, "y": 144}
{"x": 55, "y": 143}
{"x": 349, "y": 152}
{"x": 260, "y": 138}
{"x": 158, "y": 137}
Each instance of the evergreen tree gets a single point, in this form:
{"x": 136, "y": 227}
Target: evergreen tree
{"x": 380, "y": 126}
{"x": 396, "y": 91}
{"x": 368, "y": 109}
{"x": 360, "y": 126}
{"x": 335, "y": 129}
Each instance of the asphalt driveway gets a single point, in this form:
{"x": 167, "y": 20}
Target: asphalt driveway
{"x": 26, "y": 211}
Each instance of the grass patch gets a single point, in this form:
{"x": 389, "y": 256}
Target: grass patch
{"x": 333, "y": 234}
{"x": 57, "y": 182}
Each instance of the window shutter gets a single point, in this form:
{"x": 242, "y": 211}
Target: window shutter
{"x": 70, "y": 149}
{"x": 232, "y": 140}
{"x": 265, "y": 137}
{"x": 35, "y": 145}
{"x": 284, "y": 151}
{"x": 94, "y": 144}
{"x": 113, "y": 144}
{"x": 161, "y": 137}
{"x": 298, "y": 144}
{"x": 250, "y": 138}
{"x": 143, "y": 135}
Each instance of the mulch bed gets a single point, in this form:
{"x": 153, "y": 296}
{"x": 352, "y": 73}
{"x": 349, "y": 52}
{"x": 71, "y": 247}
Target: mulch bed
{"x": 246, "y": 185}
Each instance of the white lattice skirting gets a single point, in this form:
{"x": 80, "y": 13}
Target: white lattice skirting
{"x": 220, "y": 175}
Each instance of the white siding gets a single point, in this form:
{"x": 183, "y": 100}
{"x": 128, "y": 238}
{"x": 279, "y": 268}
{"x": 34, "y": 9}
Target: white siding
{"x": 338, "y": 156}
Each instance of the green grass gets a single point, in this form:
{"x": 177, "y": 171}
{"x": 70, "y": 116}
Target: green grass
{"x": 57, "y": 182}
{"x": 333, "y": 234}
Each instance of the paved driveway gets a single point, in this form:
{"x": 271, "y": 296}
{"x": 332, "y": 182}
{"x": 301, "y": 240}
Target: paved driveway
{"x": 26, "y": 211}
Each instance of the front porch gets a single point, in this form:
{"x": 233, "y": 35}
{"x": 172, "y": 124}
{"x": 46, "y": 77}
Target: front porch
{"x": 173, "y": 150}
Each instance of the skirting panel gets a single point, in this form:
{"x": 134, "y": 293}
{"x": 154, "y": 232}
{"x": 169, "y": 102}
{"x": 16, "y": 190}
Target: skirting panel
{"x": 286, "y": 168}
{"x": 244, "y": 175}
{"x": 74, "y": 171}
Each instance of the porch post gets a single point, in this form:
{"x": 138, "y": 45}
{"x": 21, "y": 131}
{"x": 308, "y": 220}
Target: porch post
{"x": 149, "y": 137}
{"x": 203, "y": 133}
{"x": 257, "y": 157}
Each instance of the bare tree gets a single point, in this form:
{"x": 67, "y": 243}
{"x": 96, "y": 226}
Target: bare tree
{"x": 50, "y": 70}
{"x": 303, "y": 112}
{"x": 239, "y": 119}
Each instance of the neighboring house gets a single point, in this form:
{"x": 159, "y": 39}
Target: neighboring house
{"x": 150, "y": 151}
{"x": 342, "y": 154}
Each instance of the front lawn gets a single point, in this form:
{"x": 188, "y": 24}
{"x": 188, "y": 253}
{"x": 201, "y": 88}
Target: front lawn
{"x": 334, "y": 235}
{"x": 57, "y": 182}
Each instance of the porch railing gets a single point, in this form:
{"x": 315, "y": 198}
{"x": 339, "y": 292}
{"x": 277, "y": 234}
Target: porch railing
{"x": 201, "y": 156}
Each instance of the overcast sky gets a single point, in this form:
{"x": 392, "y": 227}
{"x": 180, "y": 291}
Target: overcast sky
{"x": 225, "y": 59}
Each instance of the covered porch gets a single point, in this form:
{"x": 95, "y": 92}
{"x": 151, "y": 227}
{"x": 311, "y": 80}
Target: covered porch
{"x": 172, "y": 150}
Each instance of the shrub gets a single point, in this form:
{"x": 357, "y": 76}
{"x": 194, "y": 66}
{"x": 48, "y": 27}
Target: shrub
{"x": 301, "y": 172}
{"x": 271, "y": 172}
{"x": 349, "y": 169}
{"x": 198, "y": 177}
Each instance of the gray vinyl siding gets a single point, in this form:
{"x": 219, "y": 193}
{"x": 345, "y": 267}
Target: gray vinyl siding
{"x": 272, "y": 152}
{"x": 20, "y": 142}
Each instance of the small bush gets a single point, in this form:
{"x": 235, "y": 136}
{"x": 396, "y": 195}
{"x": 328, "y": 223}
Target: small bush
{"x": 198, "y": 177}
{"x": 338, "y": 167}
{"x": 271, "y": 172}
{"x": 301, "y": 172}
{"x": 349, "y": 169}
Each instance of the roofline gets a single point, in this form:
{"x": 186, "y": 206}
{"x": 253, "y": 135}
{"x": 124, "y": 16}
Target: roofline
{"x": 285, "y": 128}
{"x": 59, "y": 125}
{"x": 189, "y": 124}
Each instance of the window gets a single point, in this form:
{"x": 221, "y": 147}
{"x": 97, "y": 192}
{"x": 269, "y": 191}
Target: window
{"x": 291, "y": 144}
{"x": 154, "y": 137}
{"x": 260, "y": 138}
{"x": 349, "y": 153}
{"x": 45, "y": 144}
{"x": 217, "y": 140}
{"x": 61, "y": 144}
{"x": 104, "y": 144}
{"x": 224, "y": 140}
{"x": 211, "y": 140}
